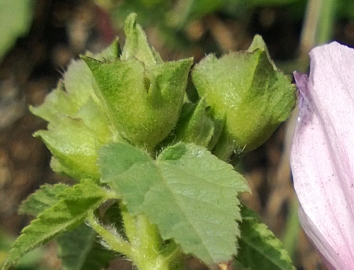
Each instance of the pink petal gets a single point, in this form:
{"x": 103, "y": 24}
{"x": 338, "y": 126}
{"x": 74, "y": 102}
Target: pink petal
{"x": 322, "y": 155}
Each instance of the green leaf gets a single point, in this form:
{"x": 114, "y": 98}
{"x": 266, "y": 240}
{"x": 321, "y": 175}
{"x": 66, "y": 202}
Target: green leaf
{"x": 259, "y": 248}
{"x": 244, "y": 89}
{"x": 187, "y": 192}
{"x": 78, "y": 249}
{"x": 71, "y": 210}
{"x": 42, "y": 199}
{"x": 15, "y": 20}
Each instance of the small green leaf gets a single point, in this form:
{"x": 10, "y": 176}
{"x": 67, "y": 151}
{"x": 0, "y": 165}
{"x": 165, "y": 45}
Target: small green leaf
{"x": 244, "y": 89}
{"x": 187, "y": 192}
{"x": 259, "y": 248}
{"x": 78, "y": 249}
{"x": 42, "y": 199}
{"x": 71, "y": 210}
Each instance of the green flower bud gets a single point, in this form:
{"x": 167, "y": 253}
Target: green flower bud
{"x": 245, "y": 90}
{"x": 77, "y": 125}
{"x": 141, "y": 95}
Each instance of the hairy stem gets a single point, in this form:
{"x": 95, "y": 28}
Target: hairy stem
{"x": 148, "y": 249}
{"x": 112, "y": 239}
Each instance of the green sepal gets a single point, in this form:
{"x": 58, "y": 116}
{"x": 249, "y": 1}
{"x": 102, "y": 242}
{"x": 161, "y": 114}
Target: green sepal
{"x": 259, "y": 44}
{"x": 194, "y": 125}
{"x": 110, "y": 53}
{"x": 244, "y": 89}
{"x": 74, "y": 147}
{"x": 136, "y": 44}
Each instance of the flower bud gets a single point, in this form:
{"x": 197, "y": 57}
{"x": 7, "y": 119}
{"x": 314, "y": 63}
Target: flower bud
{"x": 77, "y": 125}
{"x": 141, "y": 95}
{"x": 245, "y": 91}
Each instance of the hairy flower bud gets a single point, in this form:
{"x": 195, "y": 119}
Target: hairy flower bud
{"x": 246, "y": 92}
{"x": 141, "y": 94}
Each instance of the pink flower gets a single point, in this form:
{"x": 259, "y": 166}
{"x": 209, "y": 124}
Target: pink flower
{"x": 322, "y": 155}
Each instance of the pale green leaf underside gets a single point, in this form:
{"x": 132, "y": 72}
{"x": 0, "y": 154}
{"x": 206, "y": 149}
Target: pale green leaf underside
{"x": 187, "y": 192}
{"x": 74, "y": 205}
{"x": 259, "y": 248}
{"x": 42, "y": 199}
{"x": 78, "y": 249}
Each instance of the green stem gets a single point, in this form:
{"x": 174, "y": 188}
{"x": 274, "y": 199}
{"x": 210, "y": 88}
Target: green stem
{"x": 148, "y": 249}
{"x": 326, "y": 21}
{"x": 145, "y": 248}
{"x": 291, "y": 232}
{"x": 318, "y": 24}
{"x": 113, "y": 240}
{"x": 311, "y": 21}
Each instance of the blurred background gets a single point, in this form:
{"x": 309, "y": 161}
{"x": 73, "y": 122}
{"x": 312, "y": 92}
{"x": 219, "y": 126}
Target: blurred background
{"x": 39, "y": 37}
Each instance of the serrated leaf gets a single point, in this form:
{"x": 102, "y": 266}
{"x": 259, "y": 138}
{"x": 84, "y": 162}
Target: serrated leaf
{"x": 74, "y": 205}
{"x": 187, "y": 192}
{"x": 259, "y": 248}
{"x": 78, "y": 249}
{"x": 42, "y": 199}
